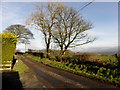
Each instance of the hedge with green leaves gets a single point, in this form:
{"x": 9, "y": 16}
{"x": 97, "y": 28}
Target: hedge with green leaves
{"x": 8, "y": 45}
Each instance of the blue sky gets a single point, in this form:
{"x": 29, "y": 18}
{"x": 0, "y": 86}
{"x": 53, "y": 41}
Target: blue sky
{"x": 103, "y": 15}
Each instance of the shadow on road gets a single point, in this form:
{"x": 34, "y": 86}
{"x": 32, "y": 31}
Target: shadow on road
{"x": 11, "y": 80}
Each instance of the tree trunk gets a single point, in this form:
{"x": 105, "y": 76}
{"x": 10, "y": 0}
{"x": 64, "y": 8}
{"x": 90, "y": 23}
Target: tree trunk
{"x": 48, "y": 46}
{"x": 47, "y": 50}
{"x": 64, "y": 50}
{"x": 61, "y": 50}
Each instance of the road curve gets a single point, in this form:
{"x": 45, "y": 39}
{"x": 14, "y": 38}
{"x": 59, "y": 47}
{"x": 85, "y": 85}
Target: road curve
{"x": 54, "y": 78}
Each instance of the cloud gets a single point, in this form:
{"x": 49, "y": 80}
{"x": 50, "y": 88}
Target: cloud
{"x": 35, "y": 45}
{"x": 11, "y": 15}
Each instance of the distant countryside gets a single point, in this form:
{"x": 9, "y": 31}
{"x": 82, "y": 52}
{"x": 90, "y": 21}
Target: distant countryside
{"x": 66, "y": 45}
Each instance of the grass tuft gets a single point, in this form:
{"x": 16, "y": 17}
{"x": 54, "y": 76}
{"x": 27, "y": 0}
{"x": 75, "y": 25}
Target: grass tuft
{"x": 20, "y": 67}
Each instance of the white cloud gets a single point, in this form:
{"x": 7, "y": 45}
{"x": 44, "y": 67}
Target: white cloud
{"x": 35, "y": 45}
{"x": 11, "y": 15}
{"x": 20, "y": 47}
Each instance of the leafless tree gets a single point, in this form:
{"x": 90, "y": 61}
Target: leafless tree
{"x": 62, "y": 24}
{"x": 70, "y": 28}
{"x": 43, "y": 20}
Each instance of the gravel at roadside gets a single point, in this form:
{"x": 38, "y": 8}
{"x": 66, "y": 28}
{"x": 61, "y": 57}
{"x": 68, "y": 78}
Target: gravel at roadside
{"x": 29, "y": 80}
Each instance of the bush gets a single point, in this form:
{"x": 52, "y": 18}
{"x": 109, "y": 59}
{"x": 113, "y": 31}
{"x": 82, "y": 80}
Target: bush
{"x": 8, "y": 45}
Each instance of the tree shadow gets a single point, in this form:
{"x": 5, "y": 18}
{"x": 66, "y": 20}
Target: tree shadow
{"x": 11, "y": 81}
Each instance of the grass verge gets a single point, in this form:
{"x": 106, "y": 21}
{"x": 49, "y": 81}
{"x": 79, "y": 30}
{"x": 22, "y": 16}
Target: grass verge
{"x": 20, "y": 67}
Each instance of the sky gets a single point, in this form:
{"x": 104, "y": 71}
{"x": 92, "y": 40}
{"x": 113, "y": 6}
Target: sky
{"x": 103, "y": 16}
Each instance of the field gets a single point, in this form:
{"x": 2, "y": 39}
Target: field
{"x": 110, "y": 59}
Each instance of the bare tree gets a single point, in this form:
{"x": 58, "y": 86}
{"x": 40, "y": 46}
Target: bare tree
{"x": 43, "y": 20}
{"x": 69, "y": 29}
{"x": 61, "y": 23}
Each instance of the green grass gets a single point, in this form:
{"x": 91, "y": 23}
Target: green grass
{"x": 108, "y": 59}
{"x": 104, "y": 59}
{"x": 20, "y": 67}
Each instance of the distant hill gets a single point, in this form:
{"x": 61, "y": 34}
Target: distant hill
{"x": 101, "y": 50}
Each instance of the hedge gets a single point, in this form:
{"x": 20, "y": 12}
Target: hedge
{"x": 8, "y": 41}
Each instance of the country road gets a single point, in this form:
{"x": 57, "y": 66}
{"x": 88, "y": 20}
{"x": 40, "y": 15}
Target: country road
{"x": 53, "y": 78}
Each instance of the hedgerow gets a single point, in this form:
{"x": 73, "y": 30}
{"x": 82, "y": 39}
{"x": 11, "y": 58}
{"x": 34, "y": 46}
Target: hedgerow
{"x": 8, "y": 41}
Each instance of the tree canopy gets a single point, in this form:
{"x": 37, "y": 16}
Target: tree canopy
{"x": 23, "y": 33}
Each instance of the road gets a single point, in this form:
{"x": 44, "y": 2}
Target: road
{"x": 53, "y": 78}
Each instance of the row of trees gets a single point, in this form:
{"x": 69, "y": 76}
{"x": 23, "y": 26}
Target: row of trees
{"x": 61, "y": 24}
{"x": 58, "y": 23}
